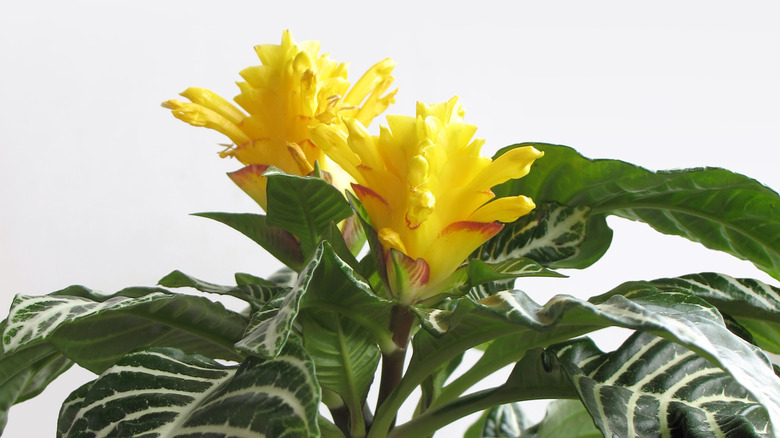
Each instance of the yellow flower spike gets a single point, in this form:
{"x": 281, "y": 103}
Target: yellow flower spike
{"x": 294, "y": 89}
{"x": 426, "y": 189}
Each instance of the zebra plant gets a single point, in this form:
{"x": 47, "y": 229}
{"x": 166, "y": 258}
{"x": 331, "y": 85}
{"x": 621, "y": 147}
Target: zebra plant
{"x": 411, "y": 266}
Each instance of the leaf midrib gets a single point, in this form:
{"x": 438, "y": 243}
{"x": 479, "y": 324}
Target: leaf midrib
{"x": 613, "y": 209}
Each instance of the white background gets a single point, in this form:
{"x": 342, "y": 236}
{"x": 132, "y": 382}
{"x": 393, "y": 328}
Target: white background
{"x": 97, "y": 181}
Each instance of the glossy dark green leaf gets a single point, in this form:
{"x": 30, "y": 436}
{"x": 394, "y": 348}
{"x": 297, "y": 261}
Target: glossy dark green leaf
{"x": 304, "y": 206}
{"x": 720, "y": 209}
{"x": 553, "y": 235}
{"x": 651, "y": 386}
{"x": 26, "y": 373}
{"x": 274, "y": 239}
{"x": 678, "y": 316}
{"x": 325, "y": 284}
{"x": 96, "y": 330}
{"x": 753, "y": 304}
{"x": 253, "y": 290}
{"x": 504, "y": 421}
{"x": 564, "y": 418}
{"x": 162, "y": 392}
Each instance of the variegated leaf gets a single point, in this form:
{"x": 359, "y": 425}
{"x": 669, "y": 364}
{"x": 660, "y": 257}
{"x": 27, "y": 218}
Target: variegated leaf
{"x": 678, "y": 316}
{"x": 503, "y": 421}
{"x": 553, "y": 235}
{"x": 96, "y": 330}
{"x": 722, "y": 210}
{"x": 653, "y": 387}
{"x": 254, "y": 291}
{"x": 486, "y": 279}
{"x": 162, "y": 393}
{"x": 304, "y": 206}
{"x": 325, "y": 283}
{"x": 26, "y": 373}
{"x": 755, "y": 305}
{"x": 564, "y": 418}
{"x": 345, "y": 354}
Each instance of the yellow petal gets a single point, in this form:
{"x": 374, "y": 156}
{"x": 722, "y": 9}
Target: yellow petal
{"x": 454, "y": 244}
{"x": 515, "y": 163}
{"x": 362, "y": 144}
{"x": 506, "y": 209}
{"x": 197, "y": 115}
{"x": 376, "y": 206}
{"x": 214, "y": 102}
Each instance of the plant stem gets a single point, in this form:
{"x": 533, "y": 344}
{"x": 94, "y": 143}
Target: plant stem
{"x": 490, "y": 363}
{"x": 434, "y": 419}
{"x": 401, "y": 320}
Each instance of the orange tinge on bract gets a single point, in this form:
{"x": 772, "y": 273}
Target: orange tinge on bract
{"x": 294, "y": 89}
{"x": 427, "y": 190}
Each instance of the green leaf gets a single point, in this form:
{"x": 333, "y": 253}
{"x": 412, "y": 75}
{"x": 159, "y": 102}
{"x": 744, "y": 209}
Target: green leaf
{"x": 26, "y": 373}
{"x": 722, "y": 210}
{"x": 480, "y": 272}
{"x": 373, "y": 265}
{"x": 274, "y": 239}
{"x": 651, "y": 386}
{"x": 753, "y": 304}
{"x": 556, "y": 236}
{"x": 163, "y": 392}
{"x": 432, "y": 385}
{"x": 485, "y": 279}
{"x": 535, "y": 376}
{"x": 253, "y": 290}
{"x": 567, "y": 418}
{"x": 504, "y": 421}
{"x": 96, "y": 330}
{"x": 304, "y": 206}
{"x": 677, "y": 316}
{"x": 244, "y": 279}
{"x": 325, "y": 284}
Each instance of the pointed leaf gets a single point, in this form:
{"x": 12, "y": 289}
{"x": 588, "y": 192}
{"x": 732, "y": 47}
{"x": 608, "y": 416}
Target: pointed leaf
{"x": 304, "y": 206}
{"x": 326, "y": 283}
{"x": 274, "y": 239}
{"x": 754, "y": 305}
{"x": 502, "y": 421}
{"x": 485, "y": 279}
{"x": 567, "y": 418}
{"x": 345, "y": 354}
{"x": 163, "y": 392}
{"x": 253, "y": 290}
{"x": 373, "y": 266}
{"x": 481, "y": 272}
{"x": 553, "y": 235}
{"x": 677, "y": 316}
{"x": 96, "y": 330}
{"x": 26, "y": 373}
{"x": 717, "y": 208}
{"x": 651, "y": 386}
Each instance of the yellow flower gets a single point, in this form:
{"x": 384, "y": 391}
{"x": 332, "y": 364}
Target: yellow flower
{"x": 294, "y": 88}
{"x": 426, "y": 188}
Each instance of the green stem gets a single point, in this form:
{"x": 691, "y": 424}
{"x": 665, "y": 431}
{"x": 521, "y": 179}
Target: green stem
{"x": 419, "y": 370}
{"x": 488, "y": 365}
{"x": 434, "y": 419}
{"x": 386, "y": 412}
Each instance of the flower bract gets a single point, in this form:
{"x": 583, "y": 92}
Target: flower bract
{"x": 427, "y": 190}
{"x": 295, "y": 88}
